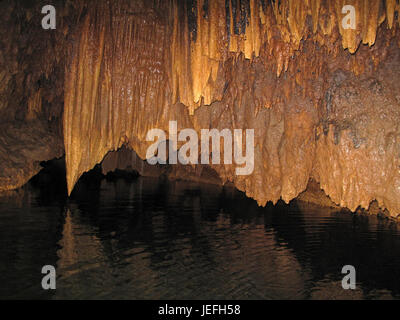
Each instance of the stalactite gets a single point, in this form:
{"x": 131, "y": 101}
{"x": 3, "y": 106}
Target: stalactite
{"x": 195, "y": 61}
{"x": 267, "y": 65}
{"x": 117, "y": 74}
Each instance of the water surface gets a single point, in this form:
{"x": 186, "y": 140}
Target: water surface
{"x": 155, "y": 239}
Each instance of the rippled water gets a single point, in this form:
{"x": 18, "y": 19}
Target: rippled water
{"x": 154, "y": 239}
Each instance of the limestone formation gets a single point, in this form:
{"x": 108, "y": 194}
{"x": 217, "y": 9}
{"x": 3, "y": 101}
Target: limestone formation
{"x": 323, "y": 100}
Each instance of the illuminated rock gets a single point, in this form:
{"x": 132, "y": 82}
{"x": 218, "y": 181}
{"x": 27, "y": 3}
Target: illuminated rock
{"x": 322, "y": 99}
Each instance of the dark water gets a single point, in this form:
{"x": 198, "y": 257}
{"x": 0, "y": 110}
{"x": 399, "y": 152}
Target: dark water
{"x": 153, "y": 239}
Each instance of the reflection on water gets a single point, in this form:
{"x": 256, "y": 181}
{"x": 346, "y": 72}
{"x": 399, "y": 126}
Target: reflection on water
{"x": 153, "y": 239}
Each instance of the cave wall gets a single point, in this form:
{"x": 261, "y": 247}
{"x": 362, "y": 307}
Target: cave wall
{"x": 323, "y": 100}
{"x": 32, "y": 64}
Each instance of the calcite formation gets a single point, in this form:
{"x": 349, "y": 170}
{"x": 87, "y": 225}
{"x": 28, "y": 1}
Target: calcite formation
{"x": 323, "y": 99}
{"x": 281, "y": 67}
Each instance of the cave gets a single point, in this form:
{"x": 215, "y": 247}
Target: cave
{"x": 284, "y": 114}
